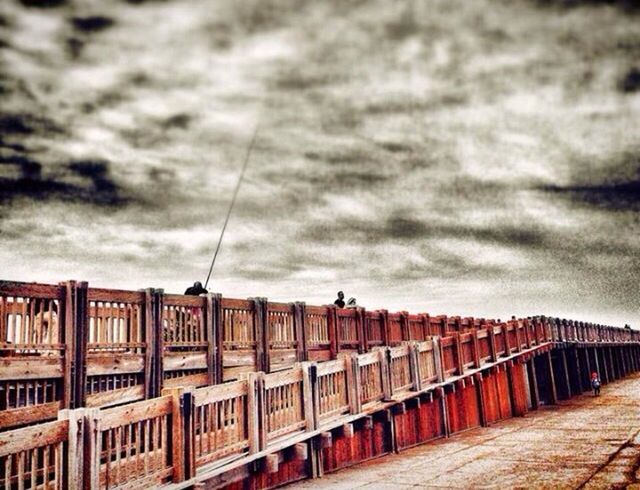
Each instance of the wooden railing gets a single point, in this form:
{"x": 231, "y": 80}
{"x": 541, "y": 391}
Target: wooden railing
{"x": 71, "y": 346}
{"x": 190, "y": 431}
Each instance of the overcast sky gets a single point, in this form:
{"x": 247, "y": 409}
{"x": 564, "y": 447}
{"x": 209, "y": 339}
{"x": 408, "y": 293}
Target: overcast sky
{"x": 475, "y": 158}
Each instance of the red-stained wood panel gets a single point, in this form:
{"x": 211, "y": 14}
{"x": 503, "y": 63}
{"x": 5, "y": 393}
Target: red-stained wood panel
{"x": 367, "y": 443}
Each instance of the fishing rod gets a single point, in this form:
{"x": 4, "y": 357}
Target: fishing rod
{"x": 233, "y": 200}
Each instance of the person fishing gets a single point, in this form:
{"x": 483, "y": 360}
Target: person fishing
{"x": 595, "y": 383}
{"x": 195, "y": 290}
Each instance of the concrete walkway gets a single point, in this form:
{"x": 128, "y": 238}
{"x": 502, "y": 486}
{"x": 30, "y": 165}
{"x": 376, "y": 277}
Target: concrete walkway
{"x": 585, "y": 442}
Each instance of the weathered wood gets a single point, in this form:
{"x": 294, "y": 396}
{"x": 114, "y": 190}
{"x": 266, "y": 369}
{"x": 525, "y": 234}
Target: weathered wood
{"x": 326, "y": 440}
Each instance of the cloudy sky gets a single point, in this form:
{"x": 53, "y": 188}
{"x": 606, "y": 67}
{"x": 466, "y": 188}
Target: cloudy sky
{"x": 476, "y": 158}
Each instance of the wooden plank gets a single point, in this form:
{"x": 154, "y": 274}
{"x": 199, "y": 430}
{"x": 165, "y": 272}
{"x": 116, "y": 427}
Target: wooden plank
{"x": 101, "y": 364}
{"x": 174, "y": 361}
{"x": 27, "y": 415}
{"x": 115, "y": 295}
{"x": 27, "y": 438}
{"x": 31, "y": 368}
{"x": 194, "y": 380}
{"x": 135, "y": 412}
{"x": 211, "y": 394}
{"x": 31, "y": 290}
{"x": 115, "y": 397}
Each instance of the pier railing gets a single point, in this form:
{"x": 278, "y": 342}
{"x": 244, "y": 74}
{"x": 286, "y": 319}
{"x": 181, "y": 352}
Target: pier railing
{"x": 71, "y": 346}
{"x": 172, "y": 437}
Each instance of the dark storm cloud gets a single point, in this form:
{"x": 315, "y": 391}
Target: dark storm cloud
{"x": 631, "y": 81}
{"x": 616, "y": 186}
{"x": 96, "y": 186}
{"x": 43, "y": 4}
{"x": 623, "y": 196}
{"x": 92, "y": 23}
{"x": 23, "y": 124}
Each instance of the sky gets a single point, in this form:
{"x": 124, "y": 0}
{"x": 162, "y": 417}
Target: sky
{"x": 450, "y": 157}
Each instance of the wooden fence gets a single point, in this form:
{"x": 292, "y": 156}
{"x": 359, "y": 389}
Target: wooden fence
{"x": 188, "y": 432}
{"x": 71, "y": 346}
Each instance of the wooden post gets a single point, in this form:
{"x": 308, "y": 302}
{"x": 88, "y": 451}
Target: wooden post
{"x": 492, "y": 343}
{"x": 602, "y": 364}
{"x": 515, "y": 376}
{"x": 527, "y": 333}
{"x": 180, "y": 435}
{"x": 70, "y": 354}
{"x": 586, "y": 377}
{"x": 263, "y": 361}
{"x": 92, "y": 449}
{"x": 254, "y": 406}
{"x": 533, "y": 384}
{"x": 299, "y": 320}
{"x": 307, "y": 392}
{"x": 552, "y": 380}
{"x": 516, "y": 330}
{"x": 404, "y": 325}
{"x": 425, "y": 325}
{"x": 154, "y": 339}
{"x": 414, "y": 366}
{"x": 332, "y": 325}
{"x": 578, "y": 373}
{"x": 362, "y": 339}
{"x": 458, "y": 350}
{"x": 565, "y": 372}
{"x": 385, "y": 366}
{"x": 476, "y": 349}
{"x": 218, "y": 336}
{"x": 384, "y": 317}
{"x": 261, "y": 412}
{"x": 446, "y": 428}
{"x": 211, "y": 339}
{"x": 75, "y": 461}
{"x": 505, "y": 337}
{"x": 81, "y": 334}
{"x": 353, "y": 382}
{"x": 437, "y": 357}
{"x": 484, "y": 421}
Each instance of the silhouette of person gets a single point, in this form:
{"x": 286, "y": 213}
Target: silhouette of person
{"x": 340, "y": 301}
{"x": 195, "y": 290}
{"x": 595, "y": 383}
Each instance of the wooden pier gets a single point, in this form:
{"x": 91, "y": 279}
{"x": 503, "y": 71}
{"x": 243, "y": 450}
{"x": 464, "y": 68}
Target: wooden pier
{"x": 107, "y": 389}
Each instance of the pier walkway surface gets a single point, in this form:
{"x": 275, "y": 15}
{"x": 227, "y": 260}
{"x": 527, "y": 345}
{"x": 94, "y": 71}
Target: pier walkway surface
{"x": 584, "y": 442}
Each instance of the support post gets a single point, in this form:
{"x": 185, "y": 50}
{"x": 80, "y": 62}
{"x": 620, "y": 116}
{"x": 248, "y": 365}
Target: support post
{"x": 218, "y": 336}
{"x": 299, "y": 319}
{"x": 254, "y": 400}
{"x": 553, "y": 394}
{"x": 209, "y": 327}
{"x": 533, "y": 384}
{"x": 181, "y": 424}
{"x": 154, "y": 338}
{"x": 75, "y": 461}
{"x": 565, "y": 372}
{"x": 81, "y": 334}
{"x": 481, "y": 401}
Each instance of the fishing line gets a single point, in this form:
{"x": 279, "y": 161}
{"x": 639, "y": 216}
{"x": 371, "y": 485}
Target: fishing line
{"x": 233, "y": 200}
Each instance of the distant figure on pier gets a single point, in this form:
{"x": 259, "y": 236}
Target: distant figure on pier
{"x": 196, "y": 289}
{"x": 340, "y": 301}
{"x": 352, "y": 303}
{"x": 595, "y": 384}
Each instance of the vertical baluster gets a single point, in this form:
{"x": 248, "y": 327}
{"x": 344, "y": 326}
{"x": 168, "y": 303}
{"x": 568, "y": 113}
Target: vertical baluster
{"x": 147, "y": 444}
{"x": 45, "y": 467}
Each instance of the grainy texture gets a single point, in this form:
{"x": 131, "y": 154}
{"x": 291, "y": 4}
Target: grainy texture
{"x": 444, "y": 155}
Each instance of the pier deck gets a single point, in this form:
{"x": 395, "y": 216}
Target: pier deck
{"x": 582, "y": 442}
